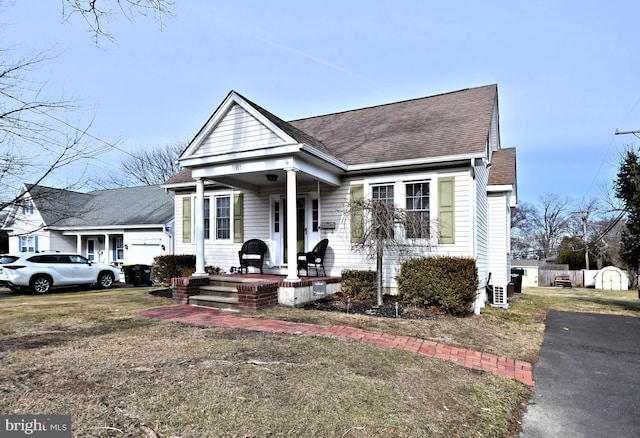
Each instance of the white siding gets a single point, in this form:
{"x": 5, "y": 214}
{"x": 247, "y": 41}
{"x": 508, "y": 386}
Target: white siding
{"x": 28, "y": 224}
{"x": 224, "y": 253}
{"x": 237, "y": 130}
{"x": 341, "y": 256}
{"x": 60, "y": 242}
{"x": 483, "y": 234}
{"x": 472, "y": 224}
{"x": 499, "y": 227}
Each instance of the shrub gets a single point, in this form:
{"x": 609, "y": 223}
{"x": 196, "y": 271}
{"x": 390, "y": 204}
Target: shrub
{"x": 213, "y": 270}
{"x": 167, "y": 267}
{"x": 358, "y": 285}
{"x": 449, "y": 283}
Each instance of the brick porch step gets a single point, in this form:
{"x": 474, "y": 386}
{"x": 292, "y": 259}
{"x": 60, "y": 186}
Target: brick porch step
{"x": 221, "y": 293}
{"x": 215, "y": 301}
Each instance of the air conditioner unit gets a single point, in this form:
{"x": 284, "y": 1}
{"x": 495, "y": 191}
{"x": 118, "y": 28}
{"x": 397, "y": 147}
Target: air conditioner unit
{"x": 500, "y": 297}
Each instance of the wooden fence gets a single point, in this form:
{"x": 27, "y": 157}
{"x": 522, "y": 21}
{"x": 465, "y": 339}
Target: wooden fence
{"x": 547, "y": 277}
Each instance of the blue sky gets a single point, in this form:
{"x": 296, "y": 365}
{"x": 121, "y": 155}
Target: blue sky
{"x": 567, "y": 71}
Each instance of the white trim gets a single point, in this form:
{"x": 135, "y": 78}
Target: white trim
{"x": 68, "y": 231}
{"x": 233, "y": 157}
{"x": 417, "y": 161}
{"x": 325, "y": 157}
{"x": 500, "y": 188}
{"x": 231, "y": 99}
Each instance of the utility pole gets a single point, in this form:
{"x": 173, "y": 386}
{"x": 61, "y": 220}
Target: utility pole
{"x": 585, "y": 217}
{"x": 627, "y": 132}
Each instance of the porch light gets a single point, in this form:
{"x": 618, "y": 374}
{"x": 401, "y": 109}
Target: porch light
{"x": 272, "y": 177}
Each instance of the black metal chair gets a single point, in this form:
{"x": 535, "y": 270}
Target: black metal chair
{"x": 313, "y": 258}
{"x": 252, "y": 254}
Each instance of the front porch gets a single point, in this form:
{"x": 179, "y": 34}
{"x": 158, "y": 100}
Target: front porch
{"x": 247, "y": 292}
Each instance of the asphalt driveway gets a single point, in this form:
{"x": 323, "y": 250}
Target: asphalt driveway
{"x": 587, "y": 378}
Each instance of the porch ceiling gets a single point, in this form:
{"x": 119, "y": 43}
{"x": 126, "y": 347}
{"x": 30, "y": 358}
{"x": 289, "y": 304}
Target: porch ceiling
{"x": 258, "y": 174}
{"x": 258, "y": 181}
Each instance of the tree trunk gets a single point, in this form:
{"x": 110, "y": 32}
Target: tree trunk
{"x": 379, "y": 275}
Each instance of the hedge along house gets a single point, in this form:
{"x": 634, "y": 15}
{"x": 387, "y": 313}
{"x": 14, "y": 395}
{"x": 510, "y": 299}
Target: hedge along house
{"x": 118, "y": 226}
{"x": 248, "y": 174}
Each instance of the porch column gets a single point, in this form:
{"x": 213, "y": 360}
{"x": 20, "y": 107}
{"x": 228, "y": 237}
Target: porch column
{"x": 106, "y": 248}
{"x": 292, "y": 225}
{"x": 199, "y": 227}
{"x": 79, "y": 243}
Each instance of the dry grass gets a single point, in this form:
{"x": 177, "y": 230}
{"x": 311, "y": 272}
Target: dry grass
{"x": 87, "y": 354}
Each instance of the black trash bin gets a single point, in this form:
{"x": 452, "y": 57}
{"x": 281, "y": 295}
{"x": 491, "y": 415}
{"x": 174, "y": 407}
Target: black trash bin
{"x": 128, "y": 274}
{"x": 510, "y": 289}
{"x": 137, "y": 275}
{"x": 516, "y": 278}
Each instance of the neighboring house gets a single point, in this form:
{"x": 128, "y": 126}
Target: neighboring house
{"x": 530, "y": 271}
{"x": 119, "y": 226}
{"x": 248, "y": 174}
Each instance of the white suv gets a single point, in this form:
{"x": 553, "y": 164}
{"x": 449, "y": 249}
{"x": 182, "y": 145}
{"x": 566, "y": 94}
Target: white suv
{"x": 41, "y": 271}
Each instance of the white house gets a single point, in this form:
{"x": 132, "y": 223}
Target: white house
{"x": 119, "y": 226}
{"x": 248, "y": 174}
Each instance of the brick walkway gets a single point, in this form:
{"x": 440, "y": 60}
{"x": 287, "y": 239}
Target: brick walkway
{"x": 502, "y": 366}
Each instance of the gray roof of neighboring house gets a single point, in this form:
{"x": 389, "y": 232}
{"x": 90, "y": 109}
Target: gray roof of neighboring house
{"x": 54, "y": 204}
{"x": 144, "y": 205}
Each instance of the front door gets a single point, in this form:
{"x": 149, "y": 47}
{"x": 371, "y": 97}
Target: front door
{"x": 301, "y": 209}
{"x": 91, "y": 249}
{"x": 307, "y": 222}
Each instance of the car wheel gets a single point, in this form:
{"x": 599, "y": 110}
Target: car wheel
{"x": 105, "y": 279}
{"x": 40, "y": 284}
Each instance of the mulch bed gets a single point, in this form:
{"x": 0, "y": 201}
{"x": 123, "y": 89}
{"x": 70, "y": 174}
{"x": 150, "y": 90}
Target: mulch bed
{"x": 391, "y": 308}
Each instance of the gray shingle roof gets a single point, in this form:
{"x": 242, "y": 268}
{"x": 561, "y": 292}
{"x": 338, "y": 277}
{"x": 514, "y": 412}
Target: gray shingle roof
{"x": 144, "y": 205}
{"x": 54, "y": 204}
{"x": 455, "y": 123}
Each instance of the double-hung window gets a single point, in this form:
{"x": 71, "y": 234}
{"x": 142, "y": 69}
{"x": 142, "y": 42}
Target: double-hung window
{"x": 417, "y": 205}
{"x": 383, "y": 193}
{"x": 223, "y": 217}
{"x": 28, "y": 243}
{"x": 382, "y": 215}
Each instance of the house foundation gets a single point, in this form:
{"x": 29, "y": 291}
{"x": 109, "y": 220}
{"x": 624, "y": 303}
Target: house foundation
{"x": 251, "y": 292}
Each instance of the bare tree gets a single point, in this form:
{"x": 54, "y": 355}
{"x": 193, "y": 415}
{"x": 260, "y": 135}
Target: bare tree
{"x": 523, "y": 231}
{"x": 384, "y": 228}
{"x": 96, "y": 16}
{"x": 552, "y": 222}
{"x": 146, "y": 166}
{"x": 153, "y": 166}
{"x": 37, "y": 137}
